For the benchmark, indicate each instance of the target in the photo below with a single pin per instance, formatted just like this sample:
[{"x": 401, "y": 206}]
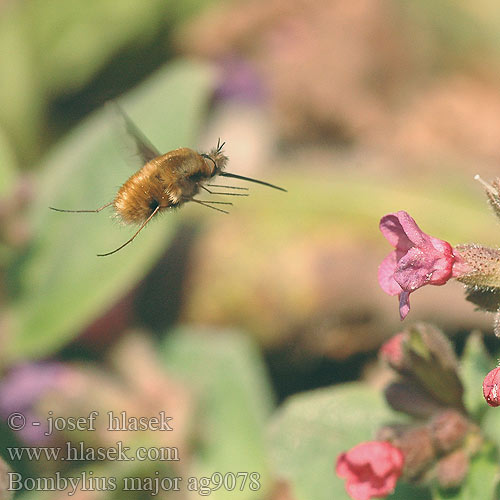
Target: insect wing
[{"x": 144, "y": 148}]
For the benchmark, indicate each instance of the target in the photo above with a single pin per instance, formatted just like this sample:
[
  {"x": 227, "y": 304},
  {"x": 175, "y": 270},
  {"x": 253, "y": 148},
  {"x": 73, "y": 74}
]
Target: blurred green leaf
[
  {"x": 234, "y": 400},
  {"x": 406, "y": 491},
  {"x": 8, "y": 166},
  {"x": 21, "y": 101},
  {"x": 61, "y": 284},
  {"x": 474, "y": 365},
  {"x": 76, "y": 39},
  {"x": 312, "y": 429},
  {"x": 481, "y": 479}
]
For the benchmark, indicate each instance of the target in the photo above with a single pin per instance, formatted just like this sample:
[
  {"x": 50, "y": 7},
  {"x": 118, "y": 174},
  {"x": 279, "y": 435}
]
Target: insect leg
[
  {"x": 207, "y": 204},
  {"x": 82, "y": 211},
  {"x": 227, "y": 194},
  {"x": 229, "y": 187},
  {"x": 136, "y": 233}
]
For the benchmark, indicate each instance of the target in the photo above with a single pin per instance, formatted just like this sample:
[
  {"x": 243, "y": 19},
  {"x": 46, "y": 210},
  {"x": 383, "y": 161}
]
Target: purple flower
[
  {"x": 21, "y": 390},
  {"x": 239, "y": 82},
  {"x": 418, "y": 259}
]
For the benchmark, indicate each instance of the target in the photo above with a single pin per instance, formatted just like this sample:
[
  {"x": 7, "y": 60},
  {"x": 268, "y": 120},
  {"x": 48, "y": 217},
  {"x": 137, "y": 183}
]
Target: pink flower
[
  {"x": 418, "y": 259},
  {"x": 371, "y": 469},
  {"x": 491, "y": 386}
]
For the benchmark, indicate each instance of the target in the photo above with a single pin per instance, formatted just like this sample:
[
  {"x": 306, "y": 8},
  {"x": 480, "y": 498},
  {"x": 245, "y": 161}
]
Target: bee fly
[{"x": 168, "y": 181}]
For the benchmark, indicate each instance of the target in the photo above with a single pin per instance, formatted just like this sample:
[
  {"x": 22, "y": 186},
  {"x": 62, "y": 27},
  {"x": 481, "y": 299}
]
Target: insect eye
[{"x": 208, "y": 157}]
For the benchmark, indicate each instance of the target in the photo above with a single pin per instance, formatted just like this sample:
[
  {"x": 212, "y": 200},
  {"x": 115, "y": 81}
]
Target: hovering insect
[{"x": 168, "y": 181}]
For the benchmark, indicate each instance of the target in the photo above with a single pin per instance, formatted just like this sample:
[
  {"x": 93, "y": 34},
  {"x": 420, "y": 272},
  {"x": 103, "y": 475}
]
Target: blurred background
[{"x": 357, "y": 108}]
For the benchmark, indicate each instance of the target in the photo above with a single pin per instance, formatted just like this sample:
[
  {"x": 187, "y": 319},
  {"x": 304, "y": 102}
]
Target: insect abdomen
[{"x": 141, "y": 194}]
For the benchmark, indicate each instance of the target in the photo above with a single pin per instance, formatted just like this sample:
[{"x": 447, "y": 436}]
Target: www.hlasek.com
[
  {"x": 75, "y": 452},
  {"x": 86, "y": 481}
]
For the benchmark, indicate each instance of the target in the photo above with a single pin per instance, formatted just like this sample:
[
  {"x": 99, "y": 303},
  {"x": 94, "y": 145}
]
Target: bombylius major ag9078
[{"x": 168, "y": 181}]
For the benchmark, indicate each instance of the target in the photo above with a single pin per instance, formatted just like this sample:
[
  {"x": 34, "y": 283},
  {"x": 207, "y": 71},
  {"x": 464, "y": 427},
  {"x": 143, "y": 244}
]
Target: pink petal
[
  {"x": 385, "y": 458},
  {"x": 392, "y": 350},
  {"x": 377, "y": 454},
  {"x": 441, "y": 246},
  {"x": 386, "y": 275},
  {"x": 401, "y": 231},
  {"x": 417, "y": 237},
  {"x": 414, "y": 269},
  {"x": 342, "y": 468},
  {"x": 404, "y": 304},
  {"x": 359, "y": 491},
  {"x": 421, "y": 267}
]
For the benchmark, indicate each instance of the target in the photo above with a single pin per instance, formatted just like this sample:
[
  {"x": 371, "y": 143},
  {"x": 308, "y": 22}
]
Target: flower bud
[
  {"x": 452, "y": 469},
  {"x": 448, "y": 430},
  {"x": 491, "y": 387},
  {"x": 434, "y": 365},
  {"x": 392, "y": 352},
  {"x": 418, "y": 450},
  {"x": 391, "y": 432},
  {"x": 408, "y": 397}
]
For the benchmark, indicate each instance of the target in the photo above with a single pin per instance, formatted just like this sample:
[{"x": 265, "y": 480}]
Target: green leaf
[
  {"x": 61, "y": 284},
  {"x": 481, "y": 480},
  {"x": 73, "y": 46},
  {"x": 74, "y": 40},
  {"x": 475, "y": 364},
  {"x": 406, "y": 491},
  {"x": 312, "y": 429},
  {"x": 234, "y": 403},
  {"x": 8, "y": 165},
  {"x": 21, "y": 95}
]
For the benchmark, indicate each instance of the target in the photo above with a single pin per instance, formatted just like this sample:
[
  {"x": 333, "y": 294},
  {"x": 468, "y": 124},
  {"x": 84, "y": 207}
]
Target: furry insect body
[{"x": 167, "y": 181}]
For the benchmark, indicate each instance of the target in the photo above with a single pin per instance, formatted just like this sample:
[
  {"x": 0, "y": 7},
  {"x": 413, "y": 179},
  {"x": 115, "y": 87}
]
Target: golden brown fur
[{"x": 166, "y": 181}]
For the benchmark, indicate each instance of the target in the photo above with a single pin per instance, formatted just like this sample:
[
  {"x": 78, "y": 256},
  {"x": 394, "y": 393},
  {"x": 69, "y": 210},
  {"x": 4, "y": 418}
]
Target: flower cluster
[
  {"x": 438, "y": 444},
  {"x": 419, "y": 259}
]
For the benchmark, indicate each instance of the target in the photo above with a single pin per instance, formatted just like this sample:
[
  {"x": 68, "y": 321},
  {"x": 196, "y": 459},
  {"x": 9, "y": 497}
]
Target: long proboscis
[{"x": 243, "y": 178}]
